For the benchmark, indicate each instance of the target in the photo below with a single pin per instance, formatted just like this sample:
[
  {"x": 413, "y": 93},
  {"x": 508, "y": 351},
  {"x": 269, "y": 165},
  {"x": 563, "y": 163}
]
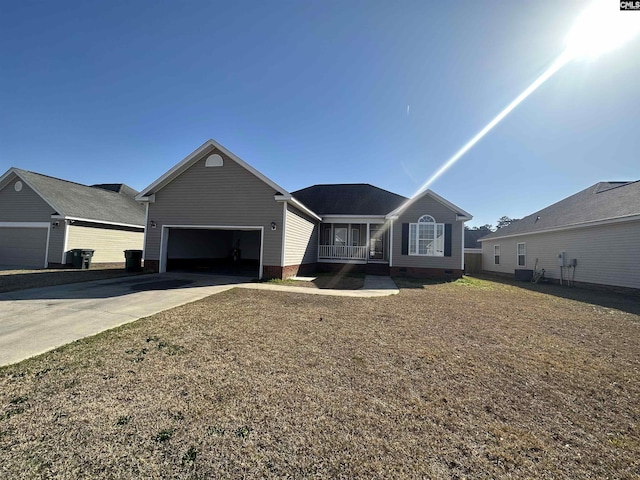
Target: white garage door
[{"x": 23, "y": 247}]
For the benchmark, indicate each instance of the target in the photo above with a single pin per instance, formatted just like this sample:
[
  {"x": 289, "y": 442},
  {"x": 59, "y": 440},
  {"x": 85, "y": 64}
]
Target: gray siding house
[
  {"x": 42, "y": 218},
  {"x": 592, "y": 237},
  {"x": 213, "y": 210}
]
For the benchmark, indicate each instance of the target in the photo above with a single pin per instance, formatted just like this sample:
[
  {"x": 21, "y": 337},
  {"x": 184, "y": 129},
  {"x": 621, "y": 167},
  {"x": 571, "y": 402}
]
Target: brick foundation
[
  {"x": 381, "y": 269},
  {"x": 152, "y": 265},
  {"x": 272, "y": 271},
  {"x": 342, "y": 267},
  {"x": 426, "y": 272}
]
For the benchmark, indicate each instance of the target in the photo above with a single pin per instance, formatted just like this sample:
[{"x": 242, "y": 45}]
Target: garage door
[
  {"x": 24, "y": 247},
  {"x": 226, "y": 251}
]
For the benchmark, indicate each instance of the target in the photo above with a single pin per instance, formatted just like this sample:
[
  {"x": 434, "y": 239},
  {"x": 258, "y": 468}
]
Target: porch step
[{"x": 377, "y": 269}]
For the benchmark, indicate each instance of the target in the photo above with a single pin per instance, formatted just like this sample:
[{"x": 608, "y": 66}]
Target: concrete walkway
[
  {"x": 374, "y": 286},
  {"x": 39, "y": 319}
]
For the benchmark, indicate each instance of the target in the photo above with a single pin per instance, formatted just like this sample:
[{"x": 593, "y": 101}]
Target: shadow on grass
[
  {"x": 626, "y": 302},
  {"x": 334, "y": 281}
]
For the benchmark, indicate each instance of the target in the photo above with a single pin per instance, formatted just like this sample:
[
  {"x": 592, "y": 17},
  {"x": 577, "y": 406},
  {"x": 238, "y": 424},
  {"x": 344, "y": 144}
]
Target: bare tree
[{"x": 505, "y": 221}]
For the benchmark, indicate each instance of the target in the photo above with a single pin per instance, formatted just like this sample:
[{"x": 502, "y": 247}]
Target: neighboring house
[
  {"x": 42, "y": 218},
  {"x": 471, "y": 243},
  {"x": 214, "y": 210},
  {"x": 598, "y": 229}
]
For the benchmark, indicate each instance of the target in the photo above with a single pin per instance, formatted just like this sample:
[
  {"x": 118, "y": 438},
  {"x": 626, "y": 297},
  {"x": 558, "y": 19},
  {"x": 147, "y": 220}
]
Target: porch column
[
  {"x": 367, "y": 251},
  {"x": 391, "y": 244}
]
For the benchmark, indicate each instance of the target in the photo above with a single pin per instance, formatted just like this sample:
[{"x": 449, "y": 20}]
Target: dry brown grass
[
  {"x": 11, "y": 280},
  {"x": 471, "y": 379}
]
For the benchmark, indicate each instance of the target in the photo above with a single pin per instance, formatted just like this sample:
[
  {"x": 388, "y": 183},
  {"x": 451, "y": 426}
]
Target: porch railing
[{"x": 342, "y": 252}]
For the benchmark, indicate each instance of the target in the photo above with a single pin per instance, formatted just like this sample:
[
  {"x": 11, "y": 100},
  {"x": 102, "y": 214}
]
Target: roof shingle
[
  {"x": 82, "y": 201},
  {"x": 602, "y": 201},
  {"x": 349, "y": 199}
]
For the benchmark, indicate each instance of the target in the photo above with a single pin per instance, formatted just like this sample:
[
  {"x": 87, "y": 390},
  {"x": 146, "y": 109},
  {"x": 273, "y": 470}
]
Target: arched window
[
  {"x": 426, "y": 237},
  {"x": 426, "y": 219}
]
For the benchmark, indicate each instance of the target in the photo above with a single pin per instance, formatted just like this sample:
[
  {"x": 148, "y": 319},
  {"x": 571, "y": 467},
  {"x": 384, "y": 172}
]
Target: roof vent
[{"x": 214, "y": 160}]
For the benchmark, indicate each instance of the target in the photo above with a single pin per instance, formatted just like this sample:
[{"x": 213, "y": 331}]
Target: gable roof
[
  {"x": 207, "y": 147},
  {"x": 74, "y": 200},
  {"x": 462, "y": 214},
  {"x": 604, "y": 201},
  {"x": 349, "y": 199}
]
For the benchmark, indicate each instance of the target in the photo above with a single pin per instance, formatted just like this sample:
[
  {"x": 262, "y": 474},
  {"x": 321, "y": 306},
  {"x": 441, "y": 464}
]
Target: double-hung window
[
  {"x": 522, "y": 254},
  {"x": 496, "y": 254},
  {"x": 426, "y": 237}
]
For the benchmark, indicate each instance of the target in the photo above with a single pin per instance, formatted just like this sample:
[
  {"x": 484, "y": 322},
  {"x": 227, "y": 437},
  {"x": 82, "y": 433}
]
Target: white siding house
[{"x": 597, "y": 229}]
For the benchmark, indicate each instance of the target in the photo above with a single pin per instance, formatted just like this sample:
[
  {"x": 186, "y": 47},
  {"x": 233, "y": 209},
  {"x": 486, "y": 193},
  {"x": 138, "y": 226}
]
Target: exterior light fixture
[{"x": 273, "y": 226}]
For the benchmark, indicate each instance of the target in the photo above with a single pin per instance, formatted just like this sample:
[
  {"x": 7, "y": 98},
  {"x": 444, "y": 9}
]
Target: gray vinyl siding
[
  {"x": 23, "y": 206},
  {"x": 28, "y": 206},
  {"x": 217, "y": 196},
  {"x": 23, "y": 246},
  {"x": 606, "y": 254},
  {"x": 442, "y": 214},
  {"x": 301, "y": 244},
  {"x": 56, "y": 243},
  {"x": 109, "y": 245}
]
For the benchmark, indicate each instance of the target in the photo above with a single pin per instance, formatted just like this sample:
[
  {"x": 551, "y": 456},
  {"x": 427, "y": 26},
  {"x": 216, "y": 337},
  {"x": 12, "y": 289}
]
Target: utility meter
[{"x": 562, "y": 259}]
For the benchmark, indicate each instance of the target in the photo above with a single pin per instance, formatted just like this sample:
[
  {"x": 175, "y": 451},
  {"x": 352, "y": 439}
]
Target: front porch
[{"x": 354, "y": 243}]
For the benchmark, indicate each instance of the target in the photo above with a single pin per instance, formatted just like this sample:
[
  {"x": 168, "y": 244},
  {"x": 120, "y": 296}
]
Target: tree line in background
[{"x": 503, "y": 221}]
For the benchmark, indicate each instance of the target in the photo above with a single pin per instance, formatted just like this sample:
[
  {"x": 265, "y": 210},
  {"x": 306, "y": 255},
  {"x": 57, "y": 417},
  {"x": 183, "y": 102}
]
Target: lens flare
[
  {"x": 598, "y": 29},
  {"x": 555, "y": 66}
]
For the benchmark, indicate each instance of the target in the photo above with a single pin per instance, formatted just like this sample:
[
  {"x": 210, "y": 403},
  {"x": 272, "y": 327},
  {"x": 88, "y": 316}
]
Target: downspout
[
  {"x": 391, "y": 245},
  {"x": 284, "y": 235},
  {"x": 462, "y": 267}
]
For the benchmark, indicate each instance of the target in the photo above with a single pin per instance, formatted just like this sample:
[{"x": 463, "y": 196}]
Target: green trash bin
[
  {"x": 133, "y": 260},
  {"x": 81, "y": 258}
]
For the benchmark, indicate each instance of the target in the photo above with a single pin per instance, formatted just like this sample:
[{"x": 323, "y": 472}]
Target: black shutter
[
  {"x": 405, "y": 239},
  {"x": 447, "y": 239}
]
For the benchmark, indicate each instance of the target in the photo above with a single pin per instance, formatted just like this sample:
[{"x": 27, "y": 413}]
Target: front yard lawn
[{"x": 469, "y": 379}]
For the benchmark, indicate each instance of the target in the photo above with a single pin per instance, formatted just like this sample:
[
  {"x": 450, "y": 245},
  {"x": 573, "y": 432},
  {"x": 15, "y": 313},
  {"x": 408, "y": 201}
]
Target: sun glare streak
[
  {"x": 598, "y": 29},
  {"x": 555, "y": 66}
]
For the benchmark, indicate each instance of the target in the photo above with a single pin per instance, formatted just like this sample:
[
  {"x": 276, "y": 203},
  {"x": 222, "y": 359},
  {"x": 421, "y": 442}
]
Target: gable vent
[{"x": 214, "y": 160}]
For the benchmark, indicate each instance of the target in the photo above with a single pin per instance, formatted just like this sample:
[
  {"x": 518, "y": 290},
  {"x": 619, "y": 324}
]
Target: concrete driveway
[{"x": 37, "y": 320}]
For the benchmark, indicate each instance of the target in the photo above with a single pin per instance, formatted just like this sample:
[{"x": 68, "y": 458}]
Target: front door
[{"x": 376, "y": 242}]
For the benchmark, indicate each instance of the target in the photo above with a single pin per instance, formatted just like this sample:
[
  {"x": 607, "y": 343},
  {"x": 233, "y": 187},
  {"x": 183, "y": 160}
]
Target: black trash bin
[
  {"x": 133, "y": 260},
  {"x": 81, "y": 258}
]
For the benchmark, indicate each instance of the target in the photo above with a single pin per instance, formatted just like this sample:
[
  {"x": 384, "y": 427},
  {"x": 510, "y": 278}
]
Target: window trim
[
  {"x": 345, "y": 242},
  {"x": 496, "y": 254},
  {"x": 524, "y": 254},
  {"x": 436, "y": 241}
]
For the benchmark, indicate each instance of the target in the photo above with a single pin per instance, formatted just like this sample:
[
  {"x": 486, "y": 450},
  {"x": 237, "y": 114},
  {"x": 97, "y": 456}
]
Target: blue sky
[{"x": 317, "y": 92}]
